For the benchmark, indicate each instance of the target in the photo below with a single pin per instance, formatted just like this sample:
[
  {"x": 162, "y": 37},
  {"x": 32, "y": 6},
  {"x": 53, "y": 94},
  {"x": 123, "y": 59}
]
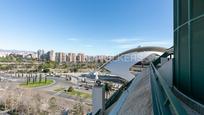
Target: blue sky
[{"x": 90, "y": 26}]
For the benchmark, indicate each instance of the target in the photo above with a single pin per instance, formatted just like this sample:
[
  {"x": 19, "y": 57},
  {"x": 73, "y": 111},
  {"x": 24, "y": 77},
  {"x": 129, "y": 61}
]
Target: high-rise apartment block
[
  {"x": 71, "y": 57},
  {"x": 40, "y": 54},
  {"x": 51, "y": 55},
  {"x": 62, "y": 57},
  {"x": 80, "y": 58}
]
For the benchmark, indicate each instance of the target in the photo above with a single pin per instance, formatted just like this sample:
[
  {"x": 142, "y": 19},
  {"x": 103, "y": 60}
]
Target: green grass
[
  {"x": 80, "y": 94},
  {"x": 75, "y": 93},
  {"x": 36, "y": 84},
  {"x": 59, "y": 89}
]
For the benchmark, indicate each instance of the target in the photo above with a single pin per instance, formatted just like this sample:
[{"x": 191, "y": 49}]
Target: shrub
[{"x": 70, "y": 89}]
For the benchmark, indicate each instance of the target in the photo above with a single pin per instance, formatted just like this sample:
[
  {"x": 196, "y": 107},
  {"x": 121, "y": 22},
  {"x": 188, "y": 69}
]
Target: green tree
[
  {"x": 33, "y": 79},
  {"x": 70, "y": 89},
  {"x": 45, "y": 79},
  {"x": 27, "y": 77},
  {"x": 46, "y": 70},
  {"x": 40, "y": 78}
]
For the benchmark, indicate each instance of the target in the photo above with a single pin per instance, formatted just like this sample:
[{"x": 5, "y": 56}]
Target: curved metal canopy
[{"x": 121, "y": 63}]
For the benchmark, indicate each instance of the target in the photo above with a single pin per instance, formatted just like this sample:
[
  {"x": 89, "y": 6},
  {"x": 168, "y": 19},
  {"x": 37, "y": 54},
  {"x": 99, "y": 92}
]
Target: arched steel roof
[
  {"x": 138, "y": 49},
  {"x": 142, "y": 49}
]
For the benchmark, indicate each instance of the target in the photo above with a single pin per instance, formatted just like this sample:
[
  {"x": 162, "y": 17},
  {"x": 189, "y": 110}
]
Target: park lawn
[
  {"x": 37, "y": 84},
  {"x": 59, "y": 89},
  {"x": 80, "y": 94}
]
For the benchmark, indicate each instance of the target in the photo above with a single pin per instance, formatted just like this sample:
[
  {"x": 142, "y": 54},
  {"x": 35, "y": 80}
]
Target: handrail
[
  {"x": 117, "y": 95},
  {"x": 163, "y": 97},
  {"x": 165, "y": 54},
  {"x": 98, "y": 112},
  {"x": 114, "y": 97}
]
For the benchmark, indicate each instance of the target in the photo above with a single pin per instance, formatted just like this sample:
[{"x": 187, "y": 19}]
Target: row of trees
[
  {"x": 31, "y": 78},
  {"x": 34, "y": 66},
  {"x": 71, "y": 67},
  {"x": 11, "y": 58},
  {"x": 6, "y": 67},
  {"x": 35, "y": 78}
]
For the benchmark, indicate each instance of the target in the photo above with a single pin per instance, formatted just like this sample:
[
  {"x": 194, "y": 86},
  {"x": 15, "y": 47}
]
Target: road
[
  {"x": 62, "y": 83},
  {"x": 59, "y": 82}
]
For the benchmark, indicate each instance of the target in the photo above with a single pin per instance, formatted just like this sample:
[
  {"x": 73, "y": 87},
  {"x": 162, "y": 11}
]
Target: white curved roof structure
[{"x": 121, "y": 63}]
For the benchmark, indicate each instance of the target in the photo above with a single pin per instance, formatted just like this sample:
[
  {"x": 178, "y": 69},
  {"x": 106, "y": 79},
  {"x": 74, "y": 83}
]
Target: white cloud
[
  {"x": 125, "y": 43},
  {"x": 72, "y": 39}
]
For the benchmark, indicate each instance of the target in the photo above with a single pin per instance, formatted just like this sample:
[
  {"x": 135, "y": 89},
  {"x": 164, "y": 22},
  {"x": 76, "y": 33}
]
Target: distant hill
[{"x": 16, "y": 51}]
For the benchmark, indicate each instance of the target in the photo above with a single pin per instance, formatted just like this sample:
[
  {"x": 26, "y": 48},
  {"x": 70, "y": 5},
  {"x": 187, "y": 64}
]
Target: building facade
[
  {"x": 71, "y": 57},
  {"x": 63, "y": 57},
  {"x": 51, "y": 55},
  {"x": 80, "y": 58},
  {"x": 40, "y": 54},
  {"x": 188, "y": 45},
  {"x": 58, "y": 57}
]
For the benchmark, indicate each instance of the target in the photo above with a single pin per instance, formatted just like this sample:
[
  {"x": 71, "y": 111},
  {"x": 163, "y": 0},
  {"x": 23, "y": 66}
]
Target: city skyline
[
  {"x": 93, "y": 27},
  {"x": 59, "y": 57},
  {"x": 46, "y": 51}
]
